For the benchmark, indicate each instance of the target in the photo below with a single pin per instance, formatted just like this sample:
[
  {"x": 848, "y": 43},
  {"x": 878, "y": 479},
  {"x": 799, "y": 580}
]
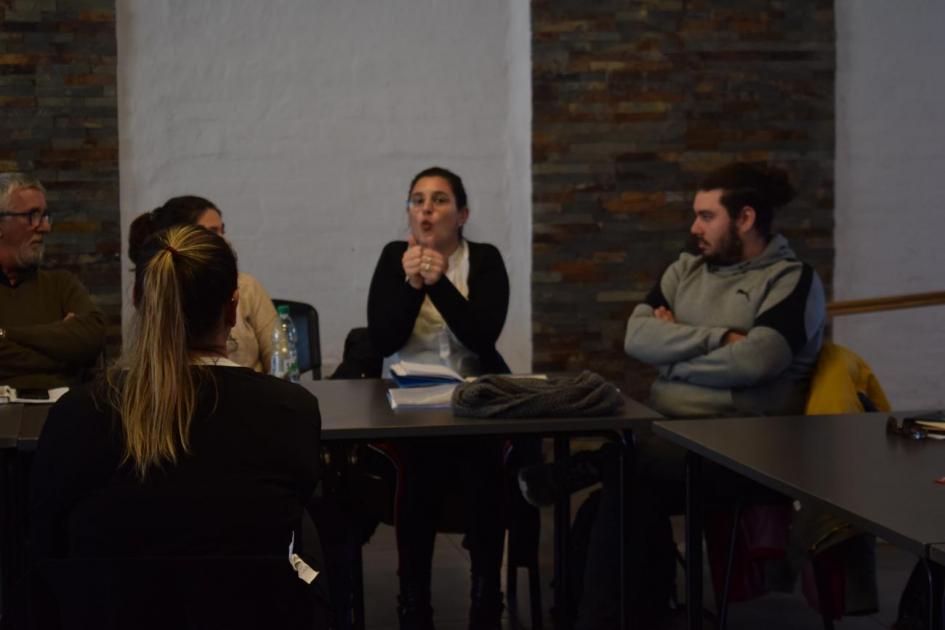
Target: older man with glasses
[{"x": 49, "y": 328}]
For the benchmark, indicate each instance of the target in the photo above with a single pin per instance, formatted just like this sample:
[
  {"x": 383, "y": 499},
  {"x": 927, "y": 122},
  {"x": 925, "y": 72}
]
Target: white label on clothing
[{"x": 306, "y": 573}]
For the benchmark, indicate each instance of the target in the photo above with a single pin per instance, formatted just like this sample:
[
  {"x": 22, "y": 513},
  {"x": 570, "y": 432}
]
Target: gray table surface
[
  {"x": 358, "y": 410},
  {"x": 847, "y": 465}
]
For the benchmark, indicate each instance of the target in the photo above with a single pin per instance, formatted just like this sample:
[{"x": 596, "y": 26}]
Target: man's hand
[
  {"x": 731, "y": 337},
  {"x": 664, "y": 314},
  {"x": 68, "y": 317},
  {"x": 411, "y": 262}
]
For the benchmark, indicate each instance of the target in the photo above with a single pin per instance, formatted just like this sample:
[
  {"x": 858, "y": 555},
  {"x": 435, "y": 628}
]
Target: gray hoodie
[{"x": 774, "y": 298}]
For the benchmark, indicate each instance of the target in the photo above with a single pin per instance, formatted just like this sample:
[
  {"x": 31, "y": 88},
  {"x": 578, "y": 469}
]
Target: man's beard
[
  {"x": 729, "y": 251},
  {"x": 30, "y": 255}
]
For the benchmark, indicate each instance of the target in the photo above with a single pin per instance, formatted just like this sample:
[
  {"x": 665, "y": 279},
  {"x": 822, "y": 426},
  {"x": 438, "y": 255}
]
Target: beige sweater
[{"x": 250, "y": 342}]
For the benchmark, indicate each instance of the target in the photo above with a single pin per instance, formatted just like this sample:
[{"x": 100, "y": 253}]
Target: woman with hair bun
[
  {"x": 178, "y": 450},
  {"x": 439, "y": 298},
  {"x": 250, "y": 341}
]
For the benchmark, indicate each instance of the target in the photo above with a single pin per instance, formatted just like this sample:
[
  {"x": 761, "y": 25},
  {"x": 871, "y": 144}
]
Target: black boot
[
  {"x": 413, "y": 605},
  {"x": 541, "y": 484},
  {"x": 485, "y": 609}
]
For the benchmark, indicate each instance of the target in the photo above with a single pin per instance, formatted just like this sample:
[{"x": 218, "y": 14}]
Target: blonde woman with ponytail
[{"x": 179, "y": 451}]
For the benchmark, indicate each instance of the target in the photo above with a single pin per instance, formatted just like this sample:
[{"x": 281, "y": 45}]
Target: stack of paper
[
  {"x": 431, "y": 397},
  {"x": 407, "y": 374},
  {"x": 933, "y": 422}
]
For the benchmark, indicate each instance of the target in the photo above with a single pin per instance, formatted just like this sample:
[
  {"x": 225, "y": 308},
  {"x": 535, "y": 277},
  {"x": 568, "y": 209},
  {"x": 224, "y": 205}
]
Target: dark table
[
  {"x": 847, "y": 465},
  {"x": 358, "y": 411}
]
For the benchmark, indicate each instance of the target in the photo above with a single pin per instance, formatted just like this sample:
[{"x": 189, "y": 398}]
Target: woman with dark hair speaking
[
  {"x": 438, "y": 298},
  {"x": 178, "y": 451}
]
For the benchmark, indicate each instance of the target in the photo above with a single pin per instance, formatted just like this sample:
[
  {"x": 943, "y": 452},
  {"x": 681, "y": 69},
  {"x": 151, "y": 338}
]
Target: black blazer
[{"x": 393, "y": 304}]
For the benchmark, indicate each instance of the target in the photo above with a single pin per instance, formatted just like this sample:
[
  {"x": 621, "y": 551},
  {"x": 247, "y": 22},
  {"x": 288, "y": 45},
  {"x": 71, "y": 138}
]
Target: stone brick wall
[
  {"x": 633, "y": 103},
  {"x": 59, "y": 121}
]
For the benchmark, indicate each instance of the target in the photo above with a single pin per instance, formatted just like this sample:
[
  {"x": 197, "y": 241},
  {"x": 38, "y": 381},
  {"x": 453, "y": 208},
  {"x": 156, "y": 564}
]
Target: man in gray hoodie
[{"x": 735, "y": 330}]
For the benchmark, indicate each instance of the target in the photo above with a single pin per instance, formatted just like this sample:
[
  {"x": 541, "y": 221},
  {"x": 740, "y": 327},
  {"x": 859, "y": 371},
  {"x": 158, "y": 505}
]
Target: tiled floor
[{"x": 451, "y": 585}]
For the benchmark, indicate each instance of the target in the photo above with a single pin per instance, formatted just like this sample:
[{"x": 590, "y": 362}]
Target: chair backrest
[
  {"x": 360, "y": 359},
  {"x": 172, "y": 592},
  {"x": 305, "y": 318}
]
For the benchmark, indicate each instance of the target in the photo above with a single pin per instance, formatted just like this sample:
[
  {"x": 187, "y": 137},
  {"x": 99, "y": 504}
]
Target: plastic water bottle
[{"x": 285, "y": 354}]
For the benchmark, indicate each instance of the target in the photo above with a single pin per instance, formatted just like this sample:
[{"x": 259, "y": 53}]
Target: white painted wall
[
  {"x": 890, "y": 188},
  {"x": 305, "y": 120}
]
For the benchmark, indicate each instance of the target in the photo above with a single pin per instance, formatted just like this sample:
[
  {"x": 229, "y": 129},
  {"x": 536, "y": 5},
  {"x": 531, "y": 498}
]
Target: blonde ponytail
[{"x": 154, "y": 388}]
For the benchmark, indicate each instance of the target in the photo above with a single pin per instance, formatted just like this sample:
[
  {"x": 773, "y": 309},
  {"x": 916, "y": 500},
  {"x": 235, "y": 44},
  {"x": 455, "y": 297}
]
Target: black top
[
  {"x": 393, "y": 304},
  {"x": 240, "y": 491}
]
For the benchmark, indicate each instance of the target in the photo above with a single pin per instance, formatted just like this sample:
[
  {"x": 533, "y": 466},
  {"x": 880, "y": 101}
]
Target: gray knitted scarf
[{"x": 491, "y": 396}]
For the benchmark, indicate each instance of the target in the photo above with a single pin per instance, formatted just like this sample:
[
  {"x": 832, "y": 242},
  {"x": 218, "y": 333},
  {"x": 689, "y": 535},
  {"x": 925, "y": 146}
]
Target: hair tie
[{"x": 173, "y": 251}]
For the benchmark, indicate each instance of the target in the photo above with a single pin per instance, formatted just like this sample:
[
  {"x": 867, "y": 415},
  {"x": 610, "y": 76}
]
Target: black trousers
[{"x": 430, "y": 473}]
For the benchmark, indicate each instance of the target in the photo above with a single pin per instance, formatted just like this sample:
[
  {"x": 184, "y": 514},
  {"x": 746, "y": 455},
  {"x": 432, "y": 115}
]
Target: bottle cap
[{"x": 283, "y": 309}]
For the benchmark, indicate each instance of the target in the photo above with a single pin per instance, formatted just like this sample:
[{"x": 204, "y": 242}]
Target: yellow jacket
[{"x": 841, "y": 374}]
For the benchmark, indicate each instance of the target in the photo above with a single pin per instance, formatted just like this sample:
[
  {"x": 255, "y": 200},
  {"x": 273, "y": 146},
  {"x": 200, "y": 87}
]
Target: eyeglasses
[
  {"x": 439, "y": 200},
  {"x": 34, "y": 216}
]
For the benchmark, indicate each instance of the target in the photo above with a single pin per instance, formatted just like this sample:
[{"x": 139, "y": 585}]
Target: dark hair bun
[
  {"x": 184, "y": 210},
  {"x": 764, "y": 184},
  {"x": 140, "y": 231},
  {"x": 778, "y": 188}
]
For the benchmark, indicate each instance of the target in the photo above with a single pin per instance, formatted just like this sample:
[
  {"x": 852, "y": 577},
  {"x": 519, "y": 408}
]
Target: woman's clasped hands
[{"x": 423, "y": 265}]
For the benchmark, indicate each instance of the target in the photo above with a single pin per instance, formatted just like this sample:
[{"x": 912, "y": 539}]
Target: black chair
[
  {"x": 305, "y": 318},
  {"x": 183, "y": 592}
]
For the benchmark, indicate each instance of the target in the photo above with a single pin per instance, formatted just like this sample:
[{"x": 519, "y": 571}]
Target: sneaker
[{"x": 541, "y": 484}]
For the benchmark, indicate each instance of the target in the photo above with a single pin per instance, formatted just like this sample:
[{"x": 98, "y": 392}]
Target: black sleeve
[
  {"x": 476, "y": 322},
  {"x": 293, "y": 442},
  {"x": 306, "y": 447},
  {"x": 393, "y": 304},
  {"x": 655, "y": 297},
  {"x": 76, "y": 453},
  {"x": 787, "y": 317}
]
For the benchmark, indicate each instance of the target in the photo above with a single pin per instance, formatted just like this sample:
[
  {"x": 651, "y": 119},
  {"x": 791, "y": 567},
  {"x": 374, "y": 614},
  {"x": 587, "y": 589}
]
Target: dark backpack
[{"x": 914, "y": 604}]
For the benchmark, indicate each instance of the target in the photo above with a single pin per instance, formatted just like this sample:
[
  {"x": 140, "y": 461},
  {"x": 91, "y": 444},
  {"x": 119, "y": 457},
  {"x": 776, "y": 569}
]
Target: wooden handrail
[{"x": 893, "y": 302}]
